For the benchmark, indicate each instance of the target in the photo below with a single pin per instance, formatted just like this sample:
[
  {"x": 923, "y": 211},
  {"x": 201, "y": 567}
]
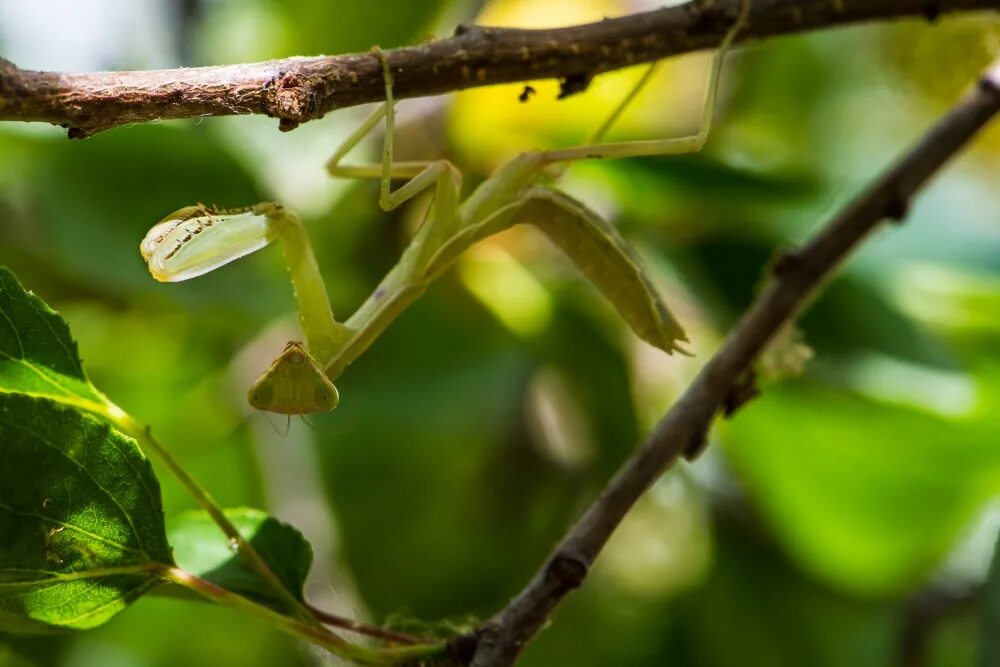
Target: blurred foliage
[{"x": 486, "y": 418}]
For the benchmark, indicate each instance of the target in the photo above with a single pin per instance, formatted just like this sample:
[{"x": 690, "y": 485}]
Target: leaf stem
[
  {"x": 244, "y": 549},
  {"x": 305, "y": 623},
  {"x": 364, "y": 629},
  {"x": 316, "y": 635}
]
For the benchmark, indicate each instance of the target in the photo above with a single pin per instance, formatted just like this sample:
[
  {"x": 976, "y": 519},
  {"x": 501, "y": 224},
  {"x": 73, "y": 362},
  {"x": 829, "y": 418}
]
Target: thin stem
[
  {"x": 247, "y": 553},
  {"x": 364, "y": 629},
  {"x": 315, "y": 634},
  {"x": 307, "y": 624}
]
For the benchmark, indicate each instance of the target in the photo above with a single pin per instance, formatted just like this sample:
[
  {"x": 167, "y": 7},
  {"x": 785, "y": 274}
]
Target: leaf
[
  {"x": 868, "y": 496},
  {"x": 37, "y": 354},
  {"x": 201, "y": 549},
  {"x": 81, "y": 521}
]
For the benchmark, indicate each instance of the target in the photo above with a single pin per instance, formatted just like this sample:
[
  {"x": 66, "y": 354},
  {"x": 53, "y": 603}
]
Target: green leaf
[
  {"x": 81, "y": 522},
  {"x": 868, "y": 496},
  {"x": 201, "y": 549},
  {"x": 37, "y": 354}
]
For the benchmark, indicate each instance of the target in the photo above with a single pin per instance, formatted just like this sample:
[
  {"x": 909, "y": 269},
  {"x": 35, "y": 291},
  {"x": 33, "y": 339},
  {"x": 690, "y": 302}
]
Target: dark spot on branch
[
  {"x": 291, "y": 98},
  {"x": 744, "y": 390},
  {"x": 897, "y": 207},
  {"x": 708, "y": 17},
  {"x": 696, "y": 445},
  {"x": 568, "y": 571},
  {"x": 990, "y": 84},
  {"x": 932, "y": 9},
  {"x": 76, "y": 133},
  {"x": 462, "y": 649},
  {"x": 789, "y": 263},
  {"x": 573, "y": 84}
]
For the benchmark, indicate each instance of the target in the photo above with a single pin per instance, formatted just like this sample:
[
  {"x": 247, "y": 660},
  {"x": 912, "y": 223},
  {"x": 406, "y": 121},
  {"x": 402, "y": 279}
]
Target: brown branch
[
  {"x": 296, "y": 90},
  {"x": 682, "y": 431}
]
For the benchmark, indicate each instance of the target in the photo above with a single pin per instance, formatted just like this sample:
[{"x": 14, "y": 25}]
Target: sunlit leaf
[
  {"x": 37, "y": 354},
  {"x": 81, "y": 523}
]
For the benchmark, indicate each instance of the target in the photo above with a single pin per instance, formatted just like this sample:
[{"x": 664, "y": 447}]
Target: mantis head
[{"x": 293, "y": 385}]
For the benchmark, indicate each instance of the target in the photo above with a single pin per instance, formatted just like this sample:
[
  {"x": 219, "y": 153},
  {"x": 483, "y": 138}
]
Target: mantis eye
[
  {"x": 326, "y": 396},
  {"x": 195, "y": 240}
]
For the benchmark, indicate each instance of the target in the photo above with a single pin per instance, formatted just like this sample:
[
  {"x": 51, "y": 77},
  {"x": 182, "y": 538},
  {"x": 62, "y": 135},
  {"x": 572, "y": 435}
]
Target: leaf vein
[
  {"x": 94, "y": 536},
  {"x": 89, "y": 474}
]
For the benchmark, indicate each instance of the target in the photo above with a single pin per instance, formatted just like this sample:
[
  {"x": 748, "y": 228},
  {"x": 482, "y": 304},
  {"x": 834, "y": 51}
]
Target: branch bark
[
  {"x": 296, "y": 90},
  {"x": 796, "y": 275}
]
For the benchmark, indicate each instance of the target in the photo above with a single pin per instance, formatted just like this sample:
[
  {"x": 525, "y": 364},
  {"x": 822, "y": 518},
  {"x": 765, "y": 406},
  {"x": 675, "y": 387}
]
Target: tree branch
[
  {"x": 796, "y": 275},
  {"x": 296, "y": 90}
]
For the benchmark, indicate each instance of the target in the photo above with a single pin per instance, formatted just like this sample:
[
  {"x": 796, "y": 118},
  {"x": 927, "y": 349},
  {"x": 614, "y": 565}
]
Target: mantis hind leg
[
  {"x": 409, "y": 278},
  {"x": 672, "y": 146},
  {"x": 441, "y": 174}
]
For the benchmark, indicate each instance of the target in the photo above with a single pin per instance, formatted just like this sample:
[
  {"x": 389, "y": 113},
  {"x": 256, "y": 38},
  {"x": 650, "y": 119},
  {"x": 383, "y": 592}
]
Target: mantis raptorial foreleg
[
  {"x": 197, "y": 239},
  {"x": 510, "y": 196}
]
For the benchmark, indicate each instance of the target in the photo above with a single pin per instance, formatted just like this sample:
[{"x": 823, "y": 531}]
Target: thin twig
[
  {"x": 296, "y": 90},
  {"x": 363, "y": 629},
  {"x": 682, "y": 431}
]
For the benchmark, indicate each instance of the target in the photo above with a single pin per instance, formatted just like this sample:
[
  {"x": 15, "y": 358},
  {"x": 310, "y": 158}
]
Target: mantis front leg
[
  {"x": 409, "y": 278},
  {"x": 197, "y": 239}
]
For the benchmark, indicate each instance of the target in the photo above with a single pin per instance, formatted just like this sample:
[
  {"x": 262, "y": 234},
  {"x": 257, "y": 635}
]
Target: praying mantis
[{"x": 198, "y": 239}]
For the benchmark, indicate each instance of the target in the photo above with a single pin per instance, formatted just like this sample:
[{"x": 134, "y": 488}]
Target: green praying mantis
[{"x": 196, "y": 239}]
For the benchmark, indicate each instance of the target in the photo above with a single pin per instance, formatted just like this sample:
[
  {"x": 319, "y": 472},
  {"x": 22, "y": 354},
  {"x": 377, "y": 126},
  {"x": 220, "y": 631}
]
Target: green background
[{"x": 824, "y": 521}]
